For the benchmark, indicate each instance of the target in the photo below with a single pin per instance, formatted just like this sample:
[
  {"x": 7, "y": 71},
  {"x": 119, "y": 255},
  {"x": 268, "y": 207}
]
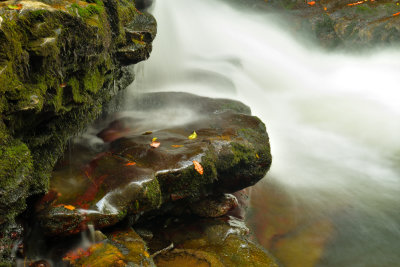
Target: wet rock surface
[
  {"x": 205, "y": 147},
  {"x": 206, "y": 242},
  {"x": 60, "y": 61},
  {"x": 165, "y": 241},
  {"x": 346, "y": 24}
]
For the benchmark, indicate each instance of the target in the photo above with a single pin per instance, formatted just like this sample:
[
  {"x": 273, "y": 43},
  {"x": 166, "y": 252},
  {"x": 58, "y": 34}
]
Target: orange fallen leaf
[
  {"x": 69, "y": 207},
  {"x": 146, "y": 254},
  {"x": 198, "y": 167},
  {"x": 155, "y": 144},
  {"x": 63, "y": 85},
  {"x": 396, "y": 14},
  {"x": 325, "y": 8},
  {"x": 311, "y": 3},
  {"x": 177, "y": 145},
  {"x": 131, "y": 163},
  {"x": 356, "y": 3}
]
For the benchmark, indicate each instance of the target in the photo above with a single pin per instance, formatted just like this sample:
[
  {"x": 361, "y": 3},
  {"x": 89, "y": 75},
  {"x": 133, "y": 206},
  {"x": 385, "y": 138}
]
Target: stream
[{"x": 332, "y": 196}]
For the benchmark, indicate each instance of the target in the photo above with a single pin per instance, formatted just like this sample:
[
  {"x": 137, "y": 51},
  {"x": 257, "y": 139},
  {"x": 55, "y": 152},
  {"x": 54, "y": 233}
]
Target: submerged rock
[
  {"x": 207, "y": 242},
  {"x": 132, "y": 176},
  {"x": 296, "y": 236}
]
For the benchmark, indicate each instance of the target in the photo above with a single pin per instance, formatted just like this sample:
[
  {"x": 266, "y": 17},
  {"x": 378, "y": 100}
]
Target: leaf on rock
[
  {"x": 69, "y": 207},
  {"x": 155, "y": 144},
  {"x": 177, "y": 145},
  {"x": 154, "y": 139},
  {"x": 193, "y": 136},
  {"x": 198, "y": 167},
  {"x": 147, "y": 133},
  {"x": 15, "y": 7},
  {"x": 130, "y": 163},
  {"x": 311, "y": 3}
]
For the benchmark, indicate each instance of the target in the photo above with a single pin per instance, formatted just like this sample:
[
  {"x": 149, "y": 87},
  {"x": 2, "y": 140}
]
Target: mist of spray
[{"x": 333, "y": 119}]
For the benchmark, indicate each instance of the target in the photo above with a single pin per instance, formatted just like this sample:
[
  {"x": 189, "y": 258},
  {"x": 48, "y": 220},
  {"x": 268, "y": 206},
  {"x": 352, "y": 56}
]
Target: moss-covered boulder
[
  {"x": 168, "y": 149},
  {"x": 60, "y": 61},
  {"x": 119, "y": 248}
]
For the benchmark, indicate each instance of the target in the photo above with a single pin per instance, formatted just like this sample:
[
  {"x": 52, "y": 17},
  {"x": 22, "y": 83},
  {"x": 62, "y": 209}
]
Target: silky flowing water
[{"x": 332, "y": 196}]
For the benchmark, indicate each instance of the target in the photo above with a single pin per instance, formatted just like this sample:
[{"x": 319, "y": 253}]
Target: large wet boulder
[
  {"x": 168, "y": 151},
  {"x": 60, "y": 61}
]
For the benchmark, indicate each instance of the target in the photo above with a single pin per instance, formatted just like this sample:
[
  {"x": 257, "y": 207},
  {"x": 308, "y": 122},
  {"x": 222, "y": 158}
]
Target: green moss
[
  {"x": 16, "y": 168},
  {"x": 76, "y": 92},
  {"x": 89, "y": 10},
  {"x": 188, "y": 182},
  {"x": 93, "y": 81},
  {"x": 152, "y": 194}
]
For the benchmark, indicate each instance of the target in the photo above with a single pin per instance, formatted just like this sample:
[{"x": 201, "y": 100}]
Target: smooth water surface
[{"x": 332, "y": 197}]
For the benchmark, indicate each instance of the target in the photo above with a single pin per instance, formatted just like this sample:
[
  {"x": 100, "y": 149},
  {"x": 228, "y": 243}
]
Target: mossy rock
[
  {"x": 58, "y": 67},
  {"x": 141, "y": 163}
]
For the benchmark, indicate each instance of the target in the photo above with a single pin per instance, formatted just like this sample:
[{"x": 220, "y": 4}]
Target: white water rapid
[{"x": 333, "y": 119}]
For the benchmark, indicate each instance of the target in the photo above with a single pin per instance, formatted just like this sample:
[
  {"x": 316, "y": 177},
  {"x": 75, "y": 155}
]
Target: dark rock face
[
  {"x": 144, "y": 4},
  {"x": 149, "y": 159},
  {"x": 60, "y": 61},
  {"x": 343, "y": 24}
]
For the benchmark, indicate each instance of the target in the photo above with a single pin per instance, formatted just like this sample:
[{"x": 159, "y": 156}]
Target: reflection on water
[{"x": 332, "y": 195}]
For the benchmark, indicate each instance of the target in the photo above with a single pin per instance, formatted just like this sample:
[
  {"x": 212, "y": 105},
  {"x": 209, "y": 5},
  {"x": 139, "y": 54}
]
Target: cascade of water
[{"x": 333, "y": 119}]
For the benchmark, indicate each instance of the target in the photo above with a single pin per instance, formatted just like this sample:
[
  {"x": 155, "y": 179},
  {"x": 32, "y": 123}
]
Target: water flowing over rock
[
  {"x": 60, "y": 61},
  {"x": 204, "y": 147}
]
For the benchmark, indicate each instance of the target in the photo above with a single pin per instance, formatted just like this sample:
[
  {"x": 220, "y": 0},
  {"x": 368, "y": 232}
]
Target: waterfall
[{"x": 333, "y": 118}]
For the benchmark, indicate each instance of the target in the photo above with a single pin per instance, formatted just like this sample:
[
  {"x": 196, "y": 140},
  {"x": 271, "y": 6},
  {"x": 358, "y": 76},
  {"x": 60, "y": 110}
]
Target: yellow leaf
[
  {"x": 154, "y": 139},
  {"x": 193, "y": 136},
  {"x": 146, "y": 254}
]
